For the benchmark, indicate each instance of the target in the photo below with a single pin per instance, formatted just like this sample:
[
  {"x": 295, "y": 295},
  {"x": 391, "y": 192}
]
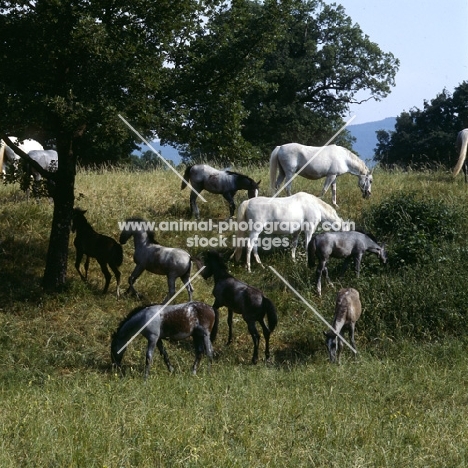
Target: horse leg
[
  {"x": 255, "y": 338},
  {"x": 229, "y": 322},
  {"x": 86, "y": 266},
  {"x": 229, "y": 197},
  {"x": 279, "y": 180},
  {"x": 357, "y": 264},
  {"x": 252, "y": 245},
  {"x": 330, "y": 180},
  {"x": 163, "y": 353},
  {"x": 79, "y": 256},
  {"x": 288, "y": 185},
  {"x": 351, "y": 336},
  {"x": 107, "y": 275},
  {"x": 320, "y": 269},
  {"x": 171, "y": 279},
  {"x": 345, "y": 266},
  {"x": 188, "y": 285},
  {"x": 208, "y": 348},
  {"x": 152, "y": 342},
  {"x": 266, "y": 335},
  {"x": 138, "y": 270},
  {"x": 202, "y": 344},
  {"x": 193, "y": 204},
  {"x": 294, "y": 243},
  {"x": 117, "y": 278}
]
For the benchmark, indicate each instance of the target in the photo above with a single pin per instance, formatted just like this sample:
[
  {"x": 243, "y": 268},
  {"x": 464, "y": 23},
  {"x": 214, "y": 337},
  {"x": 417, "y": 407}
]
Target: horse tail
[
  {"x": 463, "y": 144},
  {"x": 274, "y": 167},
  {"x": 311, "y": 248},
  {"x": 270, "y": 310},
  {"x": 241, "y": 213},
  {"x": 117, "y": 254},
  {"x": 186, "y": 177}
]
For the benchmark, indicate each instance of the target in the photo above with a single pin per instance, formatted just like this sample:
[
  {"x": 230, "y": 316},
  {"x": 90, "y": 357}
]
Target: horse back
[
  {"x": 314, "y": 162},
  {"x": 181, "y": 321},
  {"x": 237, "y": 295},
  {"x": 347, "y": 308}
]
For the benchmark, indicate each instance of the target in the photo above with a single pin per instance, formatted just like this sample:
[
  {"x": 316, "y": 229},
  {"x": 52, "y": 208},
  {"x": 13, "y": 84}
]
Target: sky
[{"x": 430, "y": 38}]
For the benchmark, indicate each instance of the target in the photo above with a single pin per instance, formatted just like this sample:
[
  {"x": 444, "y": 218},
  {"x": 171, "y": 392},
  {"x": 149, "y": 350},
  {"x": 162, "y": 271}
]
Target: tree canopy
[
  {"x": 424, "y": 138},
  {"x": 226, "y": 80}
]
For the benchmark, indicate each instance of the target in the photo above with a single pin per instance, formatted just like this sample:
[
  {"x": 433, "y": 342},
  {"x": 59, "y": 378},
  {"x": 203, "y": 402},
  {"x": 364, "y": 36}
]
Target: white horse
[
  {"x": 24, "y": 145},
  {"x": 316, "y": 162},
  {"x": 286, "y": 215},
  {"x": 462, "y": 145}
]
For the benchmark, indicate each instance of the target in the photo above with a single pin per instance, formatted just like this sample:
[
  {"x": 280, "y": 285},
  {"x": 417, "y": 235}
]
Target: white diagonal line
[
  {"x": 314, "y": 156},
  {"x": 160, "y": 310},
  {"x": 135, "y": 131},
  {"x": 313, "y": 309}
]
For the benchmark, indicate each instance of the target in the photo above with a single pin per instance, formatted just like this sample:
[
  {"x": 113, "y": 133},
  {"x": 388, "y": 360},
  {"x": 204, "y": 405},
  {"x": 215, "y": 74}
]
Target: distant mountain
[
  {"x": 365, "y": 134},
  {"x": 366, "y": 138},
  {"x": 167, "y": 152}
]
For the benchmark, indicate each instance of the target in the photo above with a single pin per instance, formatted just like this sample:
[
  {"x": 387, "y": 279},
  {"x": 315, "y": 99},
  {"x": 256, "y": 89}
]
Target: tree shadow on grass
[
  {"x": 302, "y": 351},
  {"x": 21, "y": 267}
]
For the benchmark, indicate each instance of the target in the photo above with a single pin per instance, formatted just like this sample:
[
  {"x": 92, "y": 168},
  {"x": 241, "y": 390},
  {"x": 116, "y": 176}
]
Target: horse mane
[
  {"x": 362, "y": 165},
  {"x": 368, "y": 234},
  {"x": 150, "y": 233},
  {"x": 131, "y": 314},
  {"x": 237, "y": 174}
]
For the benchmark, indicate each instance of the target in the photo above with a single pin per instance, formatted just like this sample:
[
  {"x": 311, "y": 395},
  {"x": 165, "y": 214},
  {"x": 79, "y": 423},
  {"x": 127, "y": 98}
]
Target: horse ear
[{"x": 258, "y": 183}]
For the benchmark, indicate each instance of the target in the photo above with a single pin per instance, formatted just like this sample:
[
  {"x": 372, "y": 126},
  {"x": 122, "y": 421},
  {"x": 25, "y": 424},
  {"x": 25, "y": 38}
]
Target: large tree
[
  {"x": 322, "y": 63},
  {"x": 426, "y": 137},
  {"x": 71, "y": 66}
]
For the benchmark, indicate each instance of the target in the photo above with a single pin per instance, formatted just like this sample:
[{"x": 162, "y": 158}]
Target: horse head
[
  {"x": 212, "y": 261},
  {"x": 383, "y": 254},
  {"x": 365, "y": 184},
  {"x": 331, "y": 342},
  {"x": 252, "y": 192},
  {"x": 77, "y": 213}
]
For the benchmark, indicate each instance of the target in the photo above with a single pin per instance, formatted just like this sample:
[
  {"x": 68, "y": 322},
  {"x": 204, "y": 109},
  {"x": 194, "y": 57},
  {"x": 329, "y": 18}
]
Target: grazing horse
[
  {"x": 241, "y": 298},
  {"x": 25, "y": 145},
  {"x": 227, "y": 183},
  {"x": 151, "y": 256},
  {"x": 347, "y": 313},
  {"x": 177, "y": 322},
  {"x": 104, "y": 249},
  {"x": 348, "y": 245},
  {"x": 316, "y": 162},
  {"x": 462, "y": 145},
  {"x": 288, "y": 215}
]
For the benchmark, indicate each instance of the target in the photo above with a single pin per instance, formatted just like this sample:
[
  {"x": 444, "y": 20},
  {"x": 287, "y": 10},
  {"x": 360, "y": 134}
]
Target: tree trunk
[{"x": 55, "y": 273}]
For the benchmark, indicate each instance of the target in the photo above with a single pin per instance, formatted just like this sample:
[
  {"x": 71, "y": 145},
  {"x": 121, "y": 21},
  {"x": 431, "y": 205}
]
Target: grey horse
[
  {"x": 151, "y": 256},
  {"x": 341, "y": 244}
]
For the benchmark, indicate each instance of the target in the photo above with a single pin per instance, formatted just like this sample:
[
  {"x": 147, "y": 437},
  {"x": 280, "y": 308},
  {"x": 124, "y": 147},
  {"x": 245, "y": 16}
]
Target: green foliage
[
  {"x": 415, "y": 228},
  {"x": 312, "y": 76},
  {"x": 426, "y": 138}
]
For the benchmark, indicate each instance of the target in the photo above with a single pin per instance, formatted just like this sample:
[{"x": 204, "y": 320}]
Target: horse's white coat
[
  {"x": 25, "y": 145},
  {"x": 287, "y": 215},
  {"x": 316, "y": 162}
]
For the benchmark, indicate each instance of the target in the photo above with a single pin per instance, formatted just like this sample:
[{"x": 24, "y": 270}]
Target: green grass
[{"x": 402, "y": 402}]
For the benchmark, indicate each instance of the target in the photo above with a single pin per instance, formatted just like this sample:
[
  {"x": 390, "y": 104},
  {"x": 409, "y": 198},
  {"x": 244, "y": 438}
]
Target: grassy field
[{"x": 402, "y": 402}]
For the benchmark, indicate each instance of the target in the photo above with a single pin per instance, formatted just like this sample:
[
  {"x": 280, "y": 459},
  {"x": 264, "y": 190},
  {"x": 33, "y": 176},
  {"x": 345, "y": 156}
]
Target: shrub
[{"x": 414, "y": 228}]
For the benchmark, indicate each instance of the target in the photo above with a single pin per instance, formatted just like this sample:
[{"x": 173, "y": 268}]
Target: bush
[{"x": 415, "y": 229}]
